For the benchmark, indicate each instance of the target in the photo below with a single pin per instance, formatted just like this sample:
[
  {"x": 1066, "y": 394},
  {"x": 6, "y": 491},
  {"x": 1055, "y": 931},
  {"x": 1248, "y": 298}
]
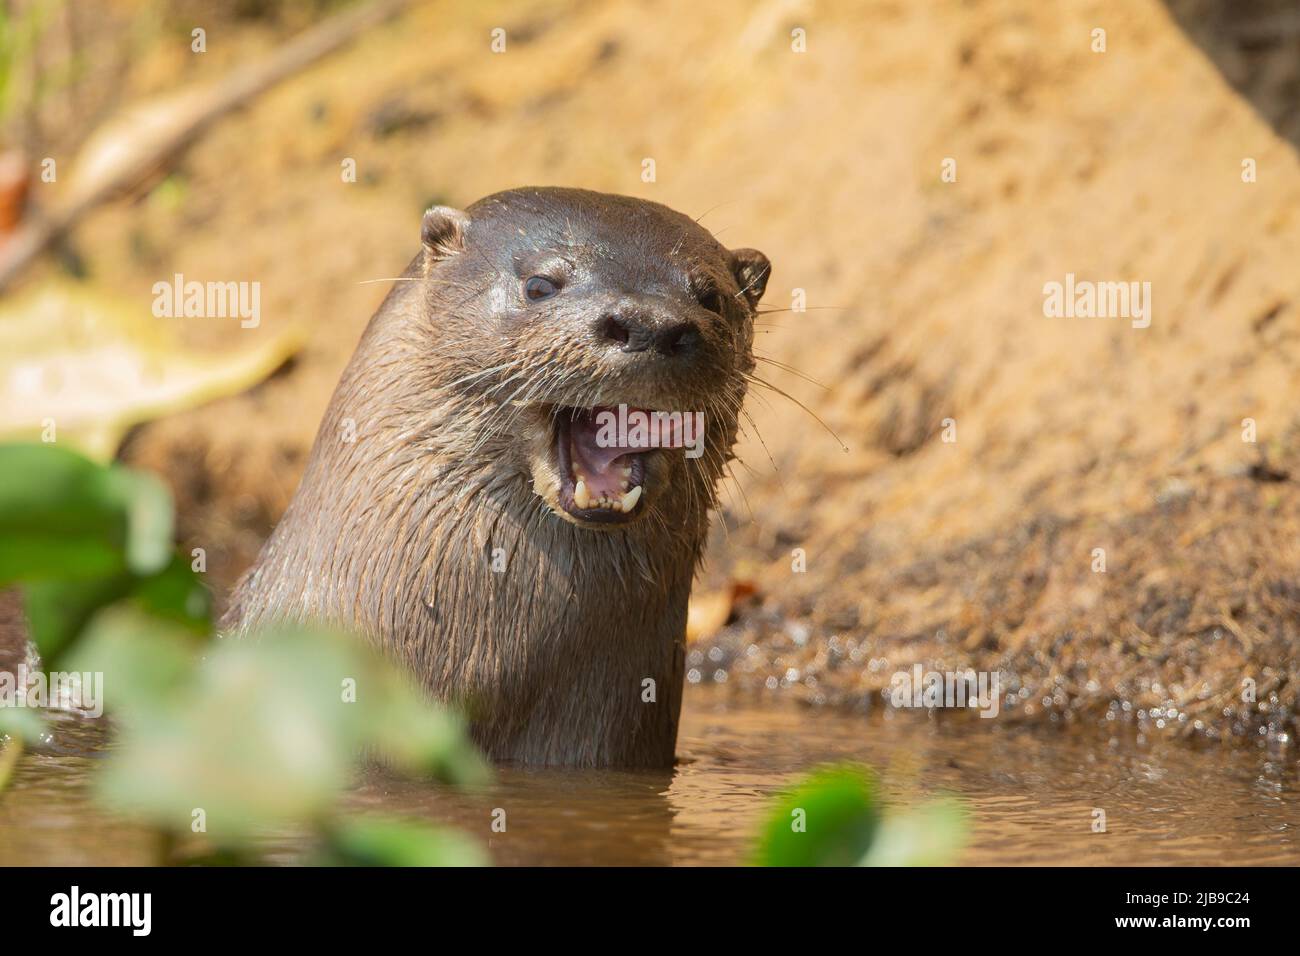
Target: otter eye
[
  {"x": 710, "y": 299},
  {"x": 539, "y": 287}
]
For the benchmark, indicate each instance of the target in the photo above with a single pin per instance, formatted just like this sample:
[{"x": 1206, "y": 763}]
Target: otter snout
[{"x": 636, "y": 330}]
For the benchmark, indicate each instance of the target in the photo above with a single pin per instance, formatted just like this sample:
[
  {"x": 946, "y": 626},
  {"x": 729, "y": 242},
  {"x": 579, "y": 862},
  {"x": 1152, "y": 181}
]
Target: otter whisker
[
  {"x": 743, "y": 497},
  {"x": 807, "y": 308},
  {"x": 405, "y": 279},
  {"x": 725, "y": 202},
  {"x": 791, "y": 369},
  {"x": 758, "y": 277},
  {"x": 757, "y": 434},
  {"x": 784, "y": 394},
  {"x": 478, "y": 375}
]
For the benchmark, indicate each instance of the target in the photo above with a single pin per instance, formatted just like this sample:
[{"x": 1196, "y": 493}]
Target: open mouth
[{"x": 599, "y": 482}]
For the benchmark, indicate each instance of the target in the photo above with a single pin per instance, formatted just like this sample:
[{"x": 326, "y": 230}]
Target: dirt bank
[{"x": 925, "y": 303}]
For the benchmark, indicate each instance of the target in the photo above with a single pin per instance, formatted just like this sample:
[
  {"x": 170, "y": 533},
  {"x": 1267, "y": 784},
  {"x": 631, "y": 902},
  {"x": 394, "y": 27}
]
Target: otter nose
[{"x": 635, "y": 333}]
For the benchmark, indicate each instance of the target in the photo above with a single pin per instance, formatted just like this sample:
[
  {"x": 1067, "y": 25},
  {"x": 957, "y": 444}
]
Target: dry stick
[{"x": 195, "y": 113}]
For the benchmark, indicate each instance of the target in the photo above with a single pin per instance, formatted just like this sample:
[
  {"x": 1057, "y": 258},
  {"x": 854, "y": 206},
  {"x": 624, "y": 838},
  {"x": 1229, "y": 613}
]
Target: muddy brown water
[{"x": 1031, "y": 794}]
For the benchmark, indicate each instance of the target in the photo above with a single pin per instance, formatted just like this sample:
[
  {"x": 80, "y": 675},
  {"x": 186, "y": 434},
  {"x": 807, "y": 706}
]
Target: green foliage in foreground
[
  {"x": 225, "y": 738},
  {"x": 77, "y": 536},
  {"x": 230, "y": 738},
  {"x": 834, "y": 818},
  {"x": 377, "y": 841},
  {"x": 260, "y": 731}
]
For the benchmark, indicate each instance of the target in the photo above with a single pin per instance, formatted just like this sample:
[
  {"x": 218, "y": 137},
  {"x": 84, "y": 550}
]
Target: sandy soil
[{"x": 924, "y": 304}]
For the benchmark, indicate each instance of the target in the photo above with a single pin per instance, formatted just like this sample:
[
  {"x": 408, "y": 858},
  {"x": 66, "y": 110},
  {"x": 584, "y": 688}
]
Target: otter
[{"x": 459, "y": 507}]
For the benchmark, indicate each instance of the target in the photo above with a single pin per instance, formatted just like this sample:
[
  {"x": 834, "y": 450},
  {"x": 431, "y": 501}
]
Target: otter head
[{"x": 605, "y": 342}]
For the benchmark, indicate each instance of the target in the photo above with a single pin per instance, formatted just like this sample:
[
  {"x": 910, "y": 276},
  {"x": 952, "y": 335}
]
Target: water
[{"x": 1031, "y": 794}]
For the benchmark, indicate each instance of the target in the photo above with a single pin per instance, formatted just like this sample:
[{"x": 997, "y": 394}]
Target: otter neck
[{"x": 564, "y": 644}]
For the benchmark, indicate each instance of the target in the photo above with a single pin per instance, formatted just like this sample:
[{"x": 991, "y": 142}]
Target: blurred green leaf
[
  {"x": 11, "y": 749},
  {"x": 177, "y": 595},
  {"x": 18, "y": 725},
  {"x": 270, "y": 730},
  {"x": 149, "y": 519},
  {"x": 932, "y": 834},
  {"x": 148, "y": 663},
  {"x": 57, "y": 611},
  {"x": 833, "y": 818},
  {"x": 64, "y": 517},
  {"x": 386, "y": 842},
  {"x": 21, "y": 723},
  {"x": 829, "y": 819},
  {"x": 258, "y": 740},
  {"x": 255, "y": 732},
  {"x": 80, "y": 535},
  {"x": 418, "y": 737}
]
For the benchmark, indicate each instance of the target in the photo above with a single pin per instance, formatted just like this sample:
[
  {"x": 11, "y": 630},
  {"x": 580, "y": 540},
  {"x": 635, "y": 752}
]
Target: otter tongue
[{"x": 598, "y": 463}]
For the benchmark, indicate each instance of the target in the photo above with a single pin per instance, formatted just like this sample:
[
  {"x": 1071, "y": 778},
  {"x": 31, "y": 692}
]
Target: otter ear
[
  {"x": 443, "y": 232},
  {"x": 751, "y": 269}
]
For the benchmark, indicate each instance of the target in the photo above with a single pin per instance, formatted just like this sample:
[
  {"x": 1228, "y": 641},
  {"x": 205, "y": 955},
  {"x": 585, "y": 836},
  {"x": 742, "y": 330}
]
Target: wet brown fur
[{"x": 451, "y": 394}]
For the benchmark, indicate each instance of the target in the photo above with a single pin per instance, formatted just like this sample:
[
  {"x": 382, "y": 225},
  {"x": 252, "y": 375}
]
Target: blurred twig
[{"x": 135, "y": 147}]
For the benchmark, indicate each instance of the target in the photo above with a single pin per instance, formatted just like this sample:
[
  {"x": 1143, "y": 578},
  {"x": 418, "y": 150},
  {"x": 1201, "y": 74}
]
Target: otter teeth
[
  {"x": 623, "y": 500},
  {"x": 610, "y": 502}
]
